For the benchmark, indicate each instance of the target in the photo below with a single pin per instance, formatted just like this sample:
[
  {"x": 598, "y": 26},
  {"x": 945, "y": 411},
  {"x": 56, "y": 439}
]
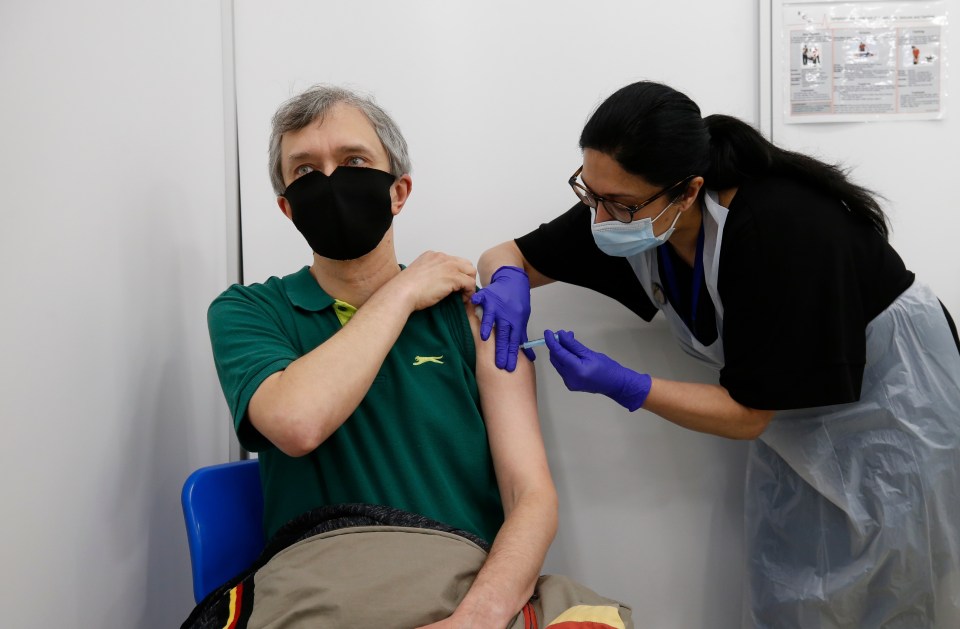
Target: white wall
[
  {"x": 491, "y": 97},
  {"x": 112, "y": 243}
]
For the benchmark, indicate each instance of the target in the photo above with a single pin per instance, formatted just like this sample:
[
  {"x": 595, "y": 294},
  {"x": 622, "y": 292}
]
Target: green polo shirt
[{"x": 416, "y": 442}]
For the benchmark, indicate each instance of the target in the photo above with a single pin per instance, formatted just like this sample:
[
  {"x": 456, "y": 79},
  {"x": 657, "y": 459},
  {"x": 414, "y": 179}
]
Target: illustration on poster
[{"x": 810, "y": 55}]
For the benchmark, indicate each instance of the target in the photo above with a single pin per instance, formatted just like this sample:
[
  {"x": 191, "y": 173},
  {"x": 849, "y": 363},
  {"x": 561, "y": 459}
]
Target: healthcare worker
[{"x": 841, "y": 367}]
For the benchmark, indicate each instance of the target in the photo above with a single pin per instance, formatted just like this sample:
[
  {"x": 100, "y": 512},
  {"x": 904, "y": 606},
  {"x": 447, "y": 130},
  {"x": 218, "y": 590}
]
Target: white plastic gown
[{"x": 853, "y": 510}]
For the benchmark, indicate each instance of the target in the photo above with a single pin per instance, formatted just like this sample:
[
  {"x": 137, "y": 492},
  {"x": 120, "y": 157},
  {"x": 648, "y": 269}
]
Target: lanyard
[{"x": 671, "y": 281}]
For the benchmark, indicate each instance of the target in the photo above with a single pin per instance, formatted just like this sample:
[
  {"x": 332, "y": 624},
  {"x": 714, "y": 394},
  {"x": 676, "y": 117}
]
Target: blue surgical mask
[{"x": 628, "y": 239}]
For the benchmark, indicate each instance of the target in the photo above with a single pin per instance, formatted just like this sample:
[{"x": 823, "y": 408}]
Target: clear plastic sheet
[{"x": 853, "y": 510}]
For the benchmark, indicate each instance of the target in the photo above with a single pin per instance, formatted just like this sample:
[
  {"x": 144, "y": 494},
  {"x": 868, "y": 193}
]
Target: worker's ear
[
  {"x": 400, "y": 192},
  {"x": 285, "y": 207},
  {"x": 690, "y": 194}
]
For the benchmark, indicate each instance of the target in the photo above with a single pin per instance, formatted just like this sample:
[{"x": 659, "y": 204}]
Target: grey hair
[{"x": 299, "y": 111}]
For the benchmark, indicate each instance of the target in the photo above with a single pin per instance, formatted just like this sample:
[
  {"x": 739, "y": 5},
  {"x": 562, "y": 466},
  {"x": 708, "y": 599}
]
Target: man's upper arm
[{"x": 509, "y": 403}]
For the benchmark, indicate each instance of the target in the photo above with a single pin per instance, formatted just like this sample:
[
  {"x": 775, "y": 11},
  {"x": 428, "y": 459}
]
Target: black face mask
[{"x": 345, "y": 215}]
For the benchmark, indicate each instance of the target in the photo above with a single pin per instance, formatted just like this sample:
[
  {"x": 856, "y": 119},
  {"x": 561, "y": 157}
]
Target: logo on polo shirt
[{"x": 419, "y": 360}]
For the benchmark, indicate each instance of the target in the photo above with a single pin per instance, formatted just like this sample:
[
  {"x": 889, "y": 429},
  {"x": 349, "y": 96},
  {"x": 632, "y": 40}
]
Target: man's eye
[
  {"x": 303, "y": 170},
  {"x": 355, "y": 161}
]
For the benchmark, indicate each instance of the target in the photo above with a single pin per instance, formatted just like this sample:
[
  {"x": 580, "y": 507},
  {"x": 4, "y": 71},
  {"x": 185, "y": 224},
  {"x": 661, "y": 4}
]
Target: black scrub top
[{"x": 800, "y": 277}]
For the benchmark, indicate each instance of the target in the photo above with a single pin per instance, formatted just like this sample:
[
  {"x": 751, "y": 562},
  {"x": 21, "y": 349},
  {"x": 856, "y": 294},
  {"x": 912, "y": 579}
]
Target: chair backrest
[{"x": 223, "y": 511}]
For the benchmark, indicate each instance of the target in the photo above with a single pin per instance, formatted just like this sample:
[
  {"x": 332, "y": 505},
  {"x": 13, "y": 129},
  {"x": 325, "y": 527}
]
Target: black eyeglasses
[{"x": 619, "y": 211}]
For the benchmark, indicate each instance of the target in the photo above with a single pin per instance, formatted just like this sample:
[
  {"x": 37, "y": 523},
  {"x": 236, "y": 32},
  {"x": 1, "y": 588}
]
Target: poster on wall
[{"x": 855, "y": 61}]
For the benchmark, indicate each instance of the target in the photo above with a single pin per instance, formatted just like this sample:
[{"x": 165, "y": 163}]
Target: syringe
[{"x": 536, "y": 342}]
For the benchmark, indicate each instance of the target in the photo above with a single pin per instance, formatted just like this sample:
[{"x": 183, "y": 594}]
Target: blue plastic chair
[{"x": 223, "y": 511}]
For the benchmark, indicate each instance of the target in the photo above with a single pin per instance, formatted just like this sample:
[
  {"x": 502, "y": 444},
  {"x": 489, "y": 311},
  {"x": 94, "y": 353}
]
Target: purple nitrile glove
[
  {"x": 506, "y": 304},
  {"x": 583, "y": 369}
]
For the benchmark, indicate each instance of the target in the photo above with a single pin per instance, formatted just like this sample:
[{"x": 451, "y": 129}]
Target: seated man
[{"x": 363, "y": 383}]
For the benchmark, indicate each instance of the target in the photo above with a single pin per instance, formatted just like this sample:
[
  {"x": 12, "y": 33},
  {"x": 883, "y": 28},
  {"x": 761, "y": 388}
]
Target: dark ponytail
[
  {"x": 739, "y": 152},
  {"x": 654, "y": 131}
]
